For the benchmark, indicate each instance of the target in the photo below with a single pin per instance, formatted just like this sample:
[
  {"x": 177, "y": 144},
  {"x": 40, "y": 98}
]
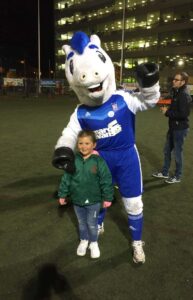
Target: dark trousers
[{"x": 174, "y": 143}]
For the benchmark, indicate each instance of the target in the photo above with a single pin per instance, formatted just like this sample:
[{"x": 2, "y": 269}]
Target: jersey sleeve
[{"x": 144, "y": 99}]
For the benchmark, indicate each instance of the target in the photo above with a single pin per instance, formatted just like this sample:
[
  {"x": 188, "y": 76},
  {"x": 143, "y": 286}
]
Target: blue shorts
[{"x": 125, "y": 168}]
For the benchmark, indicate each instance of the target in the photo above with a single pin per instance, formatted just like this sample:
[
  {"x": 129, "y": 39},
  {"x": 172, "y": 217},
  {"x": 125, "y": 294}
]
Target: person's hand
[
  {"x": 163, "y": 109},
  {"x": 107, "y": 204},
  {"x": 62, "y": 201}
]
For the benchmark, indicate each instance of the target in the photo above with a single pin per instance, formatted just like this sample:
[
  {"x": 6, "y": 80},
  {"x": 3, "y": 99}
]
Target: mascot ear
[
  {"x": 95, "y": 40},
  {"x": 66, "y": 49}
]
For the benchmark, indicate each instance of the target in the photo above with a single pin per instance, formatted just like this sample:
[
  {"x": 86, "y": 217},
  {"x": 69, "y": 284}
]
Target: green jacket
[{"x": 91, "y": 183}]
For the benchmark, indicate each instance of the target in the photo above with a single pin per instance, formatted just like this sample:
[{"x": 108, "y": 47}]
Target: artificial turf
[{"x": 38, "y": 239}]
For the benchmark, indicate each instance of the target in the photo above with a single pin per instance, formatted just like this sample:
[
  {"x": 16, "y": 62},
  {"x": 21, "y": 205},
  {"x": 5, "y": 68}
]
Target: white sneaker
[
  {"x": 160, "y": 175},
  {"x": 94, "y": 250},
  {"x": 138, "y": 253},
  {"x": 101, "y": 229},
  {"x": 82, "y": 247},
  {"x": 173, "y": 179}
]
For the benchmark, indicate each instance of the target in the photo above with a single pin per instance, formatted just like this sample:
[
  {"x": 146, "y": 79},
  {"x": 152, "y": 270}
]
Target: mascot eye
[
  {"x": 71, "y": 67},
  {"x": 101, "y": 56}
]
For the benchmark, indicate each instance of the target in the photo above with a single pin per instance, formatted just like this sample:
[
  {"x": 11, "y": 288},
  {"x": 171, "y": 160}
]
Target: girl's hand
[
  {"x": 107, "y": 204},
  {"x": 62, "y": 201}
]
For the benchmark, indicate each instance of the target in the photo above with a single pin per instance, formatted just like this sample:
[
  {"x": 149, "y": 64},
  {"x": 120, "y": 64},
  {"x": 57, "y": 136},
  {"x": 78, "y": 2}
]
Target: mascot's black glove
[
  {"x": 147, "y": 74},
  {"x": 64, "y": 159}
]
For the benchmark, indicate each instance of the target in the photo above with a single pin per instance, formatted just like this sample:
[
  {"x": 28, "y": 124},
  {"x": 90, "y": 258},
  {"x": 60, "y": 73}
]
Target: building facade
[{"x": 132, "y": 32}]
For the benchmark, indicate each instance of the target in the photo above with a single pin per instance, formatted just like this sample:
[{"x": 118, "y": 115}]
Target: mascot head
[{"x": 89, "y": 70}]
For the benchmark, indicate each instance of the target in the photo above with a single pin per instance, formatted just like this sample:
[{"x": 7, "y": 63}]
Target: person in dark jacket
[
  {"x": 89, "y": 188},
  {"x": 177, "y": 114}
]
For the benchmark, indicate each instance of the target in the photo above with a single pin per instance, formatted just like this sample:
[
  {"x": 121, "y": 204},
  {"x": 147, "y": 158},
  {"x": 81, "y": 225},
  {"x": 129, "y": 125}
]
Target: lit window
[
  {"x": 60, "y": 52},
  {"x": 180, "y": 62}
]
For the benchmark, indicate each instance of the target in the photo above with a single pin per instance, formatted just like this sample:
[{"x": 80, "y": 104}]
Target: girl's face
[{"x": 85, "y": 146}]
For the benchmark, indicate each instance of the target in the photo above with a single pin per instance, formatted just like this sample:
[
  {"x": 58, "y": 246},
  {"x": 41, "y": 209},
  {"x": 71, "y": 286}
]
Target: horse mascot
[{"x": 110, "y": 113}]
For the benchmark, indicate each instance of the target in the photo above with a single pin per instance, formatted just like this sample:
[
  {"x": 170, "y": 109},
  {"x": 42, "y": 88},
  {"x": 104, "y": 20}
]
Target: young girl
[{"x": 89, "y": 188}]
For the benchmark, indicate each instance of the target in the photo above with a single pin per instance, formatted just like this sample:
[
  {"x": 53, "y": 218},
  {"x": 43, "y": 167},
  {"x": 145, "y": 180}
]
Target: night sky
[{"x": 19, "y": 33}]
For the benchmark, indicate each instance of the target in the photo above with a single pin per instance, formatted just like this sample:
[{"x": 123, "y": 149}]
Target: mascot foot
[
  {"x": 138, "y": 253},
  {"x": 101, "y": 229}
]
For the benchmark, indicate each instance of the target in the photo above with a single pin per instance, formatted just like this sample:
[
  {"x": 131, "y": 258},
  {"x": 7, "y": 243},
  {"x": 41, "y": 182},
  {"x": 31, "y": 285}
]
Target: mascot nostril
[
  {"x": 110, "y": 113},
  {"x": 83, "y": 77}
]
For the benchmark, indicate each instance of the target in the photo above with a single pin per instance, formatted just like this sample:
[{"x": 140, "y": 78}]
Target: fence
[
  {"x": 31, "y": 86},
  {"x": 50, "y": 87}
]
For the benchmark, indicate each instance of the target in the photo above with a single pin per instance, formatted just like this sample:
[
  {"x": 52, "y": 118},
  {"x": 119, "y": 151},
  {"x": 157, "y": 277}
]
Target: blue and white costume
[
  {"x": 114, "y": 126},
  {"x": 111, "y": 114}
]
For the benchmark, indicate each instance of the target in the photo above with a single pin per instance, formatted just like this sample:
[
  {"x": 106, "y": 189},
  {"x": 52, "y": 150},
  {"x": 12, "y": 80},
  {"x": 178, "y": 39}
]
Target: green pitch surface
[{"x": 38, "y": 240}]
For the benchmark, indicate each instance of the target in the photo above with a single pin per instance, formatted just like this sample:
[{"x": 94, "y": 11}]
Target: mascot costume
[{"x": 111, "y": 115}]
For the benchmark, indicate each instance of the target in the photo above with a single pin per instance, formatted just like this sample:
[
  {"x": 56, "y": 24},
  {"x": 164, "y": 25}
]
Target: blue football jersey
[{"x": 113, "y": 123}]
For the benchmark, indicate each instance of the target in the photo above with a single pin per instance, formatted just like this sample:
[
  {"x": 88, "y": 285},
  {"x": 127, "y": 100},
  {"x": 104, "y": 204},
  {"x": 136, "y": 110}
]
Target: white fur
[
  {"x": 89, "y": 71},
  {"x": 95, "y": 40},
  {"x": 69, "y": 134}
]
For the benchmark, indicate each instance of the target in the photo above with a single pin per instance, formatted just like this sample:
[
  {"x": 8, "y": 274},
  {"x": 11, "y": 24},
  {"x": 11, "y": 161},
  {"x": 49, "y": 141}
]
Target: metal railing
[{"x": 33, "y": 87}]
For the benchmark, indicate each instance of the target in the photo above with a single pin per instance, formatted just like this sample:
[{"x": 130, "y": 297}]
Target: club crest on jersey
[
  {"x": 111, "y": 114},
  {"x": 113, "y": 129}
]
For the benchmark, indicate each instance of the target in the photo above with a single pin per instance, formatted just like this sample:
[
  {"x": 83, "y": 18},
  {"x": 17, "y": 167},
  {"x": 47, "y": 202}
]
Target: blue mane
[{"x": 79, "y": 41}]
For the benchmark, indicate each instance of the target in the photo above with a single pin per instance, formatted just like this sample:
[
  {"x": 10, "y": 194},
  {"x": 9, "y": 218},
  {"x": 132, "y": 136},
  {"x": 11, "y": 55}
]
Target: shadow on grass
[
  {"x": 117, "y": 212},
  {"x": 152, "y": 157},
  {"x": 119, "y": 216},
  {"x": 62, "y": 210},
  {"x": 49, "y": 282},
  {"x": 68, "y": 209},
  {"x": 28, "y": 192},
  {"x": 34, "y": 182},
  {"x": 9, "y": 202},
  {"x": 98, "y": 267},
  {"x": 153, "y": 184}
]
